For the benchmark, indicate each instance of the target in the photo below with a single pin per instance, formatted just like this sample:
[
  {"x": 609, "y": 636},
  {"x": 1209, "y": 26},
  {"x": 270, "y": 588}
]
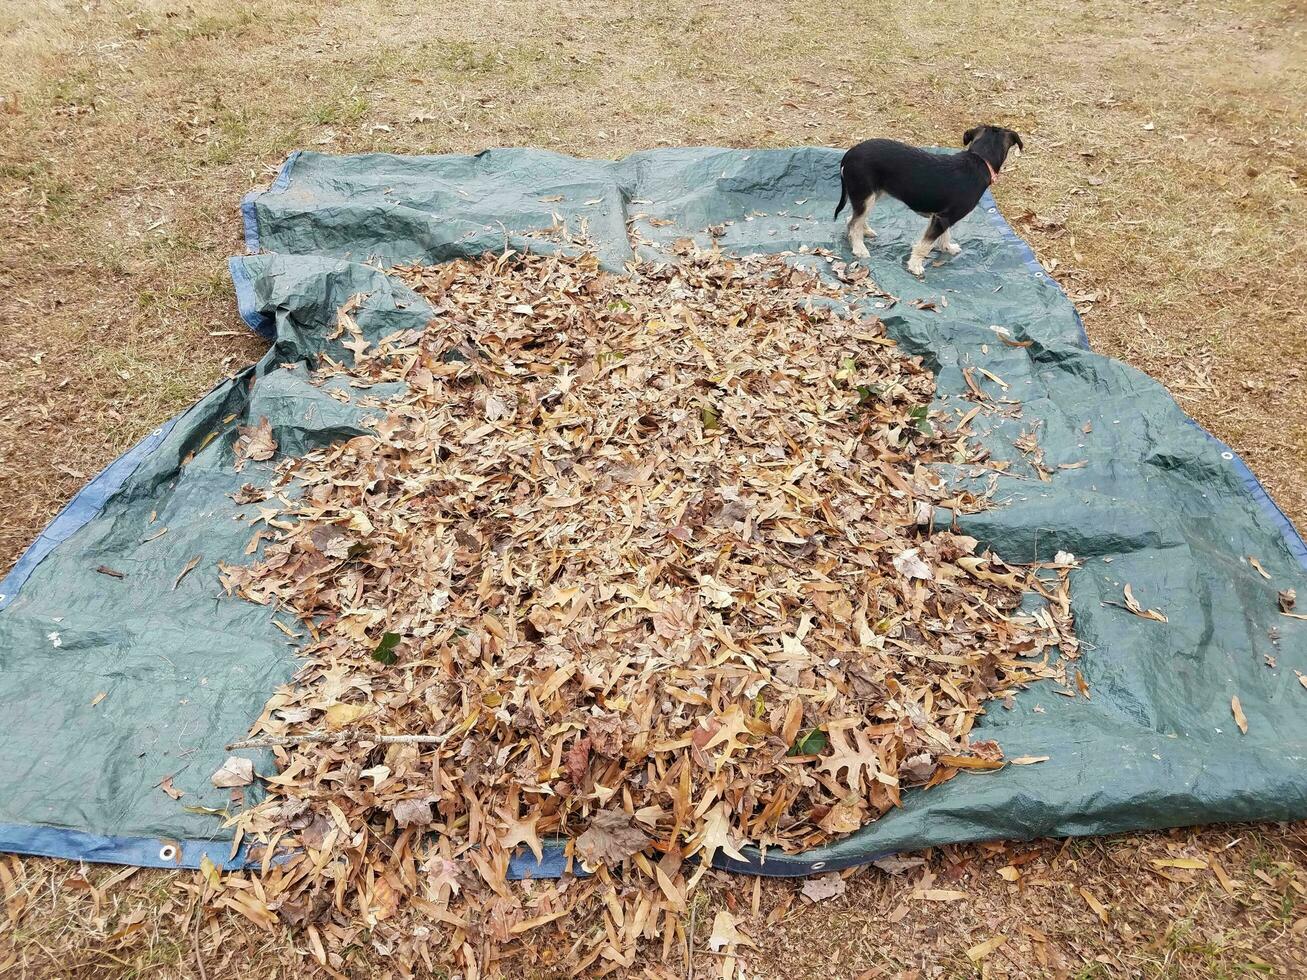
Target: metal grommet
[
  {"x": 818, "y": 866},
  {"x": 1227, "y": 455},
  {"x": 168, "y": 852},
  {"x": 993, "y": 210}
]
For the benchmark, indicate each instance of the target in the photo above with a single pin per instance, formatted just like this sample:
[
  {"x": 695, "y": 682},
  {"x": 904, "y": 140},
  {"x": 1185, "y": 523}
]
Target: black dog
[{"x": 941, "y": 188}]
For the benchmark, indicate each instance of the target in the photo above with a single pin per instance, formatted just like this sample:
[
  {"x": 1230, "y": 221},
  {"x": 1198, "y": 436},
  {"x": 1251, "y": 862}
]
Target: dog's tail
[{"x": 844, "y": 195}]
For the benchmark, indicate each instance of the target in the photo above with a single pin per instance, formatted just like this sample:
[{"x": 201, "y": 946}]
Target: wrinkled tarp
[{"x": 1158, "y": 504}]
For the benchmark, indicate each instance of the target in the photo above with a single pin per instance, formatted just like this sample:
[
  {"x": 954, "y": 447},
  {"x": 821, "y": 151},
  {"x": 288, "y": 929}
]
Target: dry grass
[{"x": 129, "y": 130}]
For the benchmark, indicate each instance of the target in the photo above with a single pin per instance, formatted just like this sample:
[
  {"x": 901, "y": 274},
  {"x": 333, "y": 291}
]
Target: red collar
[{"x": 993, "y": 174}]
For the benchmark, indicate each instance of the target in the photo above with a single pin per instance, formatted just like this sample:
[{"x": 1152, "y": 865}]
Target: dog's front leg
[{"x": 926, "y": 245}]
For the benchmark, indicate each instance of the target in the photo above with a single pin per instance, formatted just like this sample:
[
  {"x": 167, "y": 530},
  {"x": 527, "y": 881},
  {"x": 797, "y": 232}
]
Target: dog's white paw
[
  {"x": 953, "y": 248},
  {"x": 860, "y": 251},
  {"x": 870, "y": 232},
  {"x": 916, "y": 266}
]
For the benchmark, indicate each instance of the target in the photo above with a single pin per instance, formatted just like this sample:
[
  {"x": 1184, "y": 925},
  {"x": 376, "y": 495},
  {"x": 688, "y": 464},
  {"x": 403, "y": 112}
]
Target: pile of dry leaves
[{"x": 642, "y": 563}]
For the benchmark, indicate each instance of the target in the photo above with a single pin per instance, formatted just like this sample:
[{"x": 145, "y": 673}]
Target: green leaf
[
  {"x": 709, "y": 417},
  {"x": 920, "y": 422},
  {"x": 848, "y": 368},
  {"x": 385, "y": 651},
  {"x": 809, "y": 743},
  {"x": 868, "y": 394}
]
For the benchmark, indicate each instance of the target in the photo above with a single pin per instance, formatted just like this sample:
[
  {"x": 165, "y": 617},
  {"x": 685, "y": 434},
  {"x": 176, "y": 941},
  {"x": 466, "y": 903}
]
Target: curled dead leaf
[{"x": 236, "y": 771}]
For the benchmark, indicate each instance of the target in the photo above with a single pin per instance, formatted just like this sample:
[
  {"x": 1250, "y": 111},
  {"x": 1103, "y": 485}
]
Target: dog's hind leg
[
  {"x": 935, "y": 231},
  {"x": 858, "y": 225},
  {"x": 947, "y": 243}
]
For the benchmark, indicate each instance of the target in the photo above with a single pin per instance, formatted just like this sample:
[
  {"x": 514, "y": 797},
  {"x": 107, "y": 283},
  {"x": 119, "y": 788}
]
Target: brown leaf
[
  {"x": 611, "y": 838},
  {"x": 412, "y": 813},
  {"x": 166, "y": 785},
  {"x": 822, "y": 887},
  {"x": 190, "y": 567},
  {"x": 578, "y": 762},
  {"x": 254, "y": 443},
  {"x": 1287, "y": 598},
  {"x": 897, "y": 864},
  {"x": 234, "y": 772},
  {"x": 1099, "y": 908},
  {"x": 939, "y": 895},
  {"x": 1237, "y": 710},
  {"x": 1134, "y": 607},
  {"x": 978, "y": 952}
]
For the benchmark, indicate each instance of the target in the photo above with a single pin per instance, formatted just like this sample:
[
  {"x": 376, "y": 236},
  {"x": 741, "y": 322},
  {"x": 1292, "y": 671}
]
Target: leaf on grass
[
  {"x": 1227, "y": 884},
  {"x": 234, "y": 772},
  {"x": 1009, "y": 873},
  {"x": 1237, "y": 710},
  {"x": 209, "y": 871},
  {"x": 978, "y": 952},
  {"x": 897, "y": 864},
  {"x": 726, "y": 935},
  {"x": 822, "y": 887},
  {"x": 1099, "y": 908},
  {"x": 940, "y": 895},
  {"x": 1191, "y": 864}
]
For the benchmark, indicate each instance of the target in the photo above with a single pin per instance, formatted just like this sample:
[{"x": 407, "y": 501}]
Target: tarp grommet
[{"x": 168, "y": 852}]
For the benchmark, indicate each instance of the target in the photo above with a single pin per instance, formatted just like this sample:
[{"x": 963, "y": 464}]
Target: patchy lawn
[{"x": 1163, "y": 185}]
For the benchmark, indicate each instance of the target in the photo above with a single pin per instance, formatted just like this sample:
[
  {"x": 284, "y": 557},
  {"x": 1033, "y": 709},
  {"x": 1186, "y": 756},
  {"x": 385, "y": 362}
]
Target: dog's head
[{"x": 992, "y": 142}]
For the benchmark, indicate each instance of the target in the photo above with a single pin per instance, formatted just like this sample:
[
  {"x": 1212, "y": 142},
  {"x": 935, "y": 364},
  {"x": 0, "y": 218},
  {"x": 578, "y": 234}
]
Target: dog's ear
[
  {"x": 970, "y": 134},
  {"x": 1014, "y": 139}
]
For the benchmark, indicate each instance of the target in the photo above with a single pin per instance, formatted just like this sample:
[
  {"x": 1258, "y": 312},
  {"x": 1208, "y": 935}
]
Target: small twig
[
  {"x": 199, "y": 917},
  {"x": 352, "y": 735},
  {"x": 689, "y": 941}
]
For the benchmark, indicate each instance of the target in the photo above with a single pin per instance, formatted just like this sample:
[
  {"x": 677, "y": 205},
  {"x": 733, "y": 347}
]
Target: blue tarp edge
[
  {"x": 246, "y": 302},
  {"x": 86, "y": 504}
]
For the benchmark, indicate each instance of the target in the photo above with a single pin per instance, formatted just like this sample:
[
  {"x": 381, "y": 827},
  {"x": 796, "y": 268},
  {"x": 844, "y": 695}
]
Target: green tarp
[{"x": 1157, "y": 503}]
